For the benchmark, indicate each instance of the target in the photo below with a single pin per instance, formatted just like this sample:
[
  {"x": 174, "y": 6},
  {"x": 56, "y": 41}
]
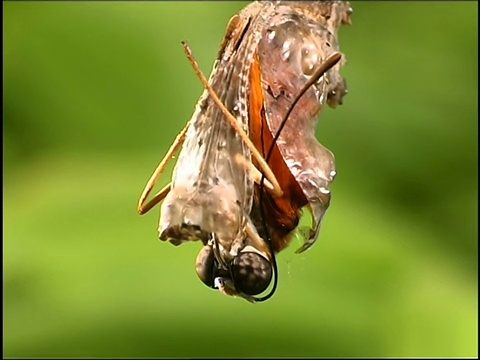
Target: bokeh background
[{"x": 94, "y": 94}]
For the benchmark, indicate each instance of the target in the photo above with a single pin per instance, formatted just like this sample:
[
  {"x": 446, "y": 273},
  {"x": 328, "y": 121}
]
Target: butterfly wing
[{"x": 302, "y": 35}]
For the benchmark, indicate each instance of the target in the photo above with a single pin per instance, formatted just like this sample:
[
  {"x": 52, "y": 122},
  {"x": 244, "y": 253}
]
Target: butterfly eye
[
  {"x": 205, "y": 265},
  {"x": 251, "y": 273}
]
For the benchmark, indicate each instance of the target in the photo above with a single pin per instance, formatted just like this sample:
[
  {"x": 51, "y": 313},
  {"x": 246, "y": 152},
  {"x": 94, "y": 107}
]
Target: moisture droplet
[
  {"x": 324, "y": 190},
  {"x": 310, "y": 59},
  {"x": 286, "y": 50},
  {"x": 271, "y": 35},
  {"x": 322, "y": 98}
]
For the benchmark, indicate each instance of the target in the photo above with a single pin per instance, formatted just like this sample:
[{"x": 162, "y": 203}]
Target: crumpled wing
[
  {"x": 211, "y": 190},
  {"x": 300, "y": 37}
]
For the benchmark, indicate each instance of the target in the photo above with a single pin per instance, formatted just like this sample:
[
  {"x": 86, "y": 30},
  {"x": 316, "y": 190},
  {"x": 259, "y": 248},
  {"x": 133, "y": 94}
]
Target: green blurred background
[{"x": 94, "y": 94}]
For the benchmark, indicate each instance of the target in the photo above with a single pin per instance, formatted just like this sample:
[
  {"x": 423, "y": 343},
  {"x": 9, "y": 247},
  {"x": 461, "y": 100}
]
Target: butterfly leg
[
  {"x": 256, "y": 175},
  {"x": 257, "y": 241},
  {"x": 158, "y": 197},
  {"x": 233, "y": 122},
  {"x": 142, "y": 207}
]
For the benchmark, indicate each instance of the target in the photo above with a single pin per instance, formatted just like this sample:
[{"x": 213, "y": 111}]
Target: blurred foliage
[{"x": 94, "y": 94}]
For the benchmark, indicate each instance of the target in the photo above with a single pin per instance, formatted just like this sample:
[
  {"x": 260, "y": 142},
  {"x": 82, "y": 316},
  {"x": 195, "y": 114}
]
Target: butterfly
[{"x": 211, "y": 195}]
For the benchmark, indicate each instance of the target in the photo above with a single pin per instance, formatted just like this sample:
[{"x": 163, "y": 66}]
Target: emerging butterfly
[{"x": 211, "y": 196}]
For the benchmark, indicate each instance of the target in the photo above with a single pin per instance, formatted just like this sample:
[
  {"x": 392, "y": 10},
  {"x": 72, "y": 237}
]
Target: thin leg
[
  {"x": 258, "y": 242},
  {"x": 144, "y": 208},
  {"x": 158, "y": 171},
  {"x": 217, "y": 253},
  {"x": 233, "y": 121},
  {"x": 256, "y": 175}
]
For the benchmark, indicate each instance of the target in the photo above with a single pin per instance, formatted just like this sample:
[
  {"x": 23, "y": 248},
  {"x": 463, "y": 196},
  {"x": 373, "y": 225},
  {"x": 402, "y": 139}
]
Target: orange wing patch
[{"x": 283, "y": 213}]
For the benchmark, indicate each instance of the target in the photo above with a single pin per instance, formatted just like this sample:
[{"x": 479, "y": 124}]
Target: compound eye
[
  {"x": 205, "y": 265},
  {"x": 251, "y": 273}
]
